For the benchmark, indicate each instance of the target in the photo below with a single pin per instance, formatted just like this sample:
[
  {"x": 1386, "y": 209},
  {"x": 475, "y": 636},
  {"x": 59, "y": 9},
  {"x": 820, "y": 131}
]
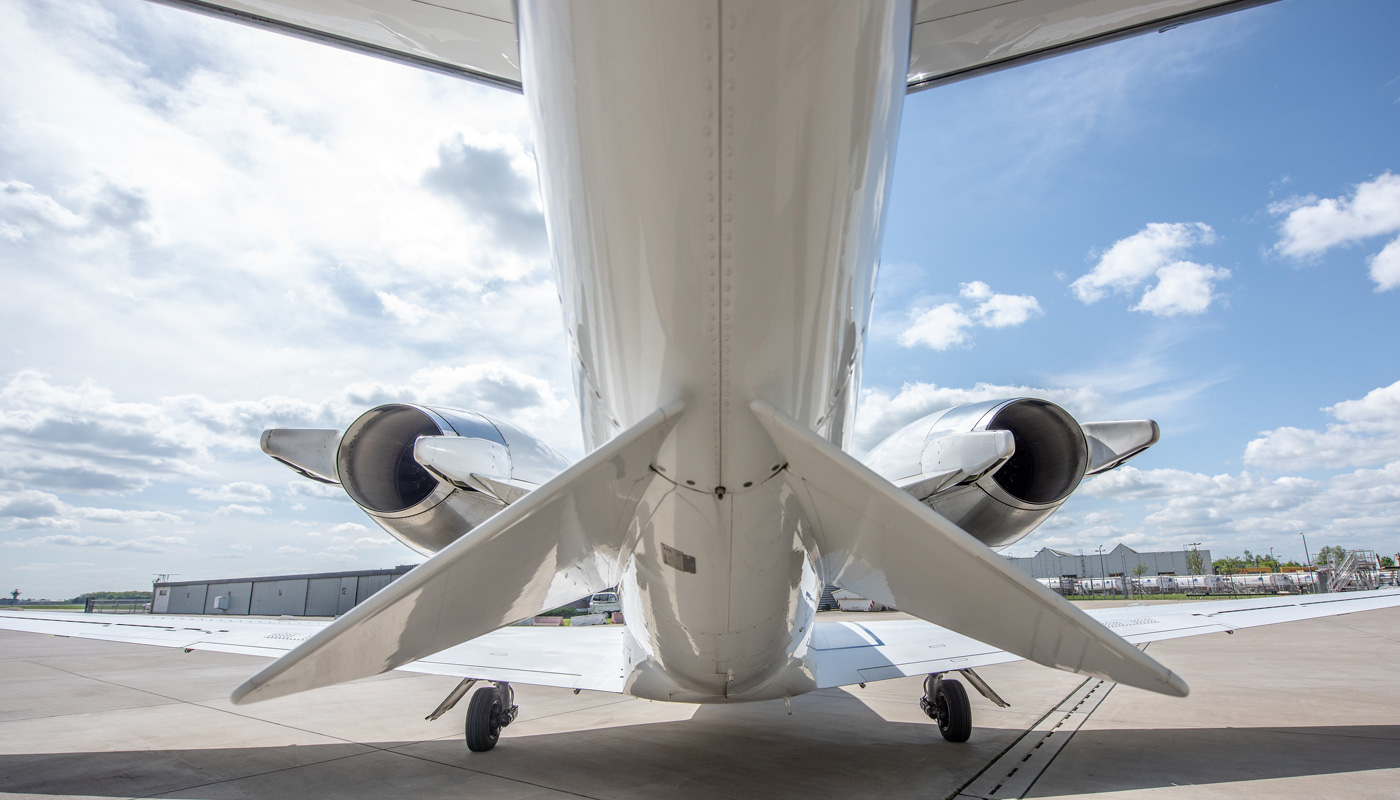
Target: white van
[{"x": 604, "y": 603}]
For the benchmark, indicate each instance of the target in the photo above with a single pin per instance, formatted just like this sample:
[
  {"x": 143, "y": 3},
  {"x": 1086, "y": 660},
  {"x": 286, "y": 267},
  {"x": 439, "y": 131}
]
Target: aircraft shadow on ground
[
  {"x": 1097, "y": 761},
  {"x": 716, "y": 753}
]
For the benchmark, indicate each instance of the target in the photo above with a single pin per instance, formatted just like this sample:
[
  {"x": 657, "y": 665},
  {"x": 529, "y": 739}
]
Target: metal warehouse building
[
  {"x": 1120, "y": 560},
  {"x": 327, "y": 594}
]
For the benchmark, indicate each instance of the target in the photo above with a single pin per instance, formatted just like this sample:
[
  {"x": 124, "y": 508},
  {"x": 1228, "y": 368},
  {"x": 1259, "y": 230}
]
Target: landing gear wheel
[
  {"x": 950, "y": 707},
  {"x": 485, "y": 717}
]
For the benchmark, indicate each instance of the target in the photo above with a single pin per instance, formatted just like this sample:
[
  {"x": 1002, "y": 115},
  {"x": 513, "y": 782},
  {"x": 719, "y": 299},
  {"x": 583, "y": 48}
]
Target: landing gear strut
[
  {"x": 946, "y": 701},
  {"x": 491, "y": 709}
]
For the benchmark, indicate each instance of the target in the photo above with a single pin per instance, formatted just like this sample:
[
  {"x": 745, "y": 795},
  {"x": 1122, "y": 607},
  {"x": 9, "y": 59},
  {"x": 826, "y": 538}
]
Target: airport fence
[{"x": 137, "y": 606}]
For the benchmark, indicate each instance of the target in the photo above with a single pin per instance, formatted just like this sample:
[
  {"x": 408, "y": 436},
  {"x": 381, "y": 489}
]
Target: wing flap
[
  {"x": 264, "y": 636},
  {"x": 472, "y": 39},
  {"x": 572, "y": 658},
  {"x": 957, "y": 39},
  {"x": 884, "y": 649}
]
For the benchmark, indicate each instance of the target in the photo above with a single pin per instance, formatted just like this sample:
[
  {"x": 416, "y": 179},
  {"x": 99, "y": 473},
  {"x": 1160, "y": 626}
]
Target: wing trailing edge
[
  {"x": 883, "y": 544},
  {"x": 478, "y": 39}
]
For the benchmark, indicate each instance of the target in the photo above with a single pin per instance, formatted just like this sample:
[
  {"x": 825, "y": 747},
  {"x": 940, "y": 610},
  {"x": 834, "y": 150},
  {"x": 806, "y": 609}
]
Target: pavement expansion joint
[{"x": 1015, "y": 771}]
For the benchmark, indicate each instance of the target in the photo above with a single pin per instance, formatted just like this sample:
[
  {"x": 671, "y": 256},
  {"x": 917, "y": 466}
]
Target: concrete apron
[{"x": 87, "y": 718}]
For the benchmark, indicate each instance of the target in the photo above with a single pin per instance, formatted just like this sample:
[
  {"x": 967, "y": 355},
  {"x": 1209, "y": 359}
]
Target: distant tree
[
  {"x": 1387, "y": 562},
  {"x": 1195, "y": 562},
  {"x": 1331, "y": 554},
  {"x": 134, "y": 594},
  {"x": 1139, "y": 570},
  {"x": 1228, "y": 565}
]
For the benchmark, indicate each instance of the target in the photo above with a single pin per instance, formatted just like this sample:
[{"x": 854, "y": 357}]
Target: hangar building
[
  {"x": 1050, "y": 563},
  {"x": 326, "y": 594}
]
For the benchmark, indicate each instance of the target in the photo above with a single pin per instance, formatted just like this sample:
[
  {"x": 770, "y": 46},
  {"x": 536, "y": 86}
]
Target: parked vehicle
[
  {"x": 604, "y": 603},
  {"x": 850, "y": 601}
]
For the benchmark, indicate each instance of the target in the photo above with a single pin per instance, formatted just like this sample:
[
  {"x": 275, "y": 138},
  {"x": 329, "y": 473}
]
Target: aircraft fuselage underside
[{"x": 726, "y": 256}]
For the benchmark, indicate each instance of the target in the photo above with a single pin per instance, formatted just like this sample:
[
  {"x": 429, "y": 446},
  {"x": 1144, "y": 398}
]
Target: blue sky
[{"x": 207, "y": 230}]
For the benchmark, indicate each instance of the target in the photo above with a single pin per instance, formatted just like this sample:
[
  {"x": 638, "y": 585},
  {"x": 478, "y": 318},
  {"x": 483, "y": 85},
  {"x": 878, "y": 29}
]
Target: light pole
[
  {"x": 1103, "y": 571},
  {"x": 1305, "y": 547}
]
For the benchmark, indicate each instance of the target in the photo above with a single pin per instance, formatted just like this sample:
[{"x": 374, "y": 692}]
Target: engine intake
[
  {"x": 494, "y": 464},
  {"x": 1051, "y": 453},
  {"x": 375, "y": 459},
  {"x": 1000, "y": 491}
]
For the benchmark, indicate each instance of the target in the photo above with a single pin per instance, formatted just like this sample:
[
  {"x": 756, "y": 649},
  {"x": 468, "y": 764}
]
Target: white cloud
[
  {"x": 1253, "y": 510},
  {"x": 305, "y": 487},
  {"x": 236, "y": 491},
  {"x": 239, "y": 244},
  {"x": 147, "y": 544},
  {"x": 83, "y": 438},
  {"x": 1182, "y": 288},
  {"x": 1367, "y": 432},
  {"x": 402, "y": 310},
  {"x": 348, "y": 527},
  {"x": 236, "y": 508},
  {"x": 1385, "y": 266},
  {"x": 1157, "y": 251},
  {"x": 28, "y": 508},
  {"x": 26, "y": 211},
  {"x": 1007, "y": 310},
  {"x": 881, "y": 414},
  {"x": 939, "y": 328},
  {"x": 947, "y": 325},
  {"x": 1310, "y": 228},
  {"x": 1247, "y": 509}
]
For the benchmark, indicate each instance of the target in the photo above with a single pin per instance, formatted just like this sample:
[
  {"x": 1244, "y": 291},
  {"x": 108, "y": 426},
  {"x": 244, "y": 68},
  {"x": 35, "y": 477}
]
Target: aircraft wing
[
  {"x": 472, "y": 39},
  {"x": 573, "y": 658},
  {"x": 477, "y": 39},
  {"x": 860, "y": 652},
  {"x": 957, "y": 39}
]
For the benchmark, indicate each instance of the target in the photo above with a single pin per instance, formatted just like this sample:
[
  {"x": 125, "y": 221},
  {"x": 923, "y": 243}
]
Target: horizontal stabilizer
[
  {"x": 559, "y": 542},
  {"x": 878, "y": 541},
  {"x": 308, "y": 451}
]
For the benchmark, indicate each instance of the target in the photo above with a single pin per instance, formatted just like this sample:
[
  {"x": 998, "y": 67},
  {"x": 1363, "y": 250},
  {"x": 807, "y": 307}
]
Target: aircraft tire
[
  {"x": 954, "y": 712},
  {"x": 484, "y": 719}
]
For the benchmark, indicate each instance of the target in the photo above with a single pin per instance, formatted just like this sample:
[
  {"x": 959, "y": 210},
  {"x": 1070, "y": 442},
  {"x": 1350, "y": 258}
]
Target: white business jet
[{"x": 715, "y": 178}]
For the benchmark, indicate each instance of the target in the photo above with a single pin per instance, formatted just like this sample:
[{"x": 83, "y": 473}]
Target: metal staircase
[{"x": 1360, "y": 570}]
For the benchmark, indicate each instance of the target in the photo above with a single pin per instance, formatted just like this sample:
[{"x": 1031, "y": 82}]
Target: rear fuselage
[{"x": 714, "y": 179}]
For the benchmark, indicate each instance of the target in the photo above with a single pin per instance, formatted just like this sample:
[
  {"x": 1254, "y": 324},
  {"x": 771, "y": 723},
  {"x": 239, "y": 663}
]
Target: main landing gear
[
  {"x": 491, "y": 709},
  {"x": 945, "y": 700}
]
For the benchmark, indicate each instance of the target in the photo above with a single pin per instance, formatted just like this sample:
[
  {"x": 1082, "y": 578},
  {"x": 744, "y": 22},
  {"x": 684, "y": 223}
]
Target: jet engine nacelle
[
  {"x": 426, "y": 475},
  {"x": 998, "y": 469}
]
